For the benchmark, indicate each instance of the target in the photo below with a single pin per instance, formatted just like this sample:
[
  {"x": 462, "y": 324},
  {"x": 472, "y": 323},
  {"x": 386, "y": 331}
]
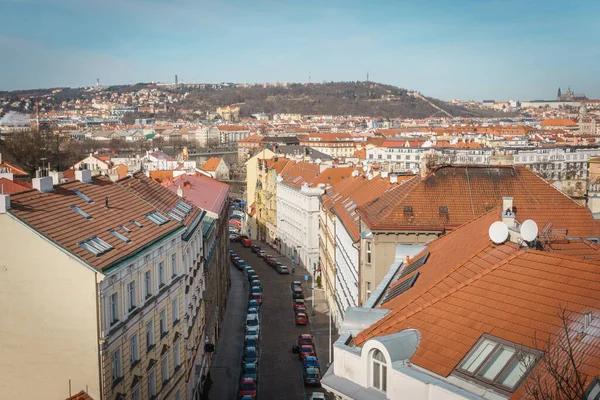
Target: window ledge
[
  {"x": 117, "y": 381},
  {"x": 150, "y": 348},
  {"x": 163, "y": 334},
  {"x": 135, "y": 363},
  {"x": 176, "y": 322}
]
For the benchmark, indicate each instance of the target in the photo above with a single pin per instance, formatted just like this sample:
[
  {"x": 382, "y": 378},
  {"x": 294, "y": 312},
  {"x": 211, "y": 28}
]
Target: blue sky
[{"x": 469, "y": 49}]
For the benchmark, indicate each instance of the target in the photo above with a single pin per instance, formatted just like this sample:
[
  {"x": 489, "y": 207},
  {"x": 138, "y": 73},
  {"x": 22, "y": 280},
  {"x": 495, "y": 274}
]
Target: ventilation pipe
[{"x": 508, "y": 215}]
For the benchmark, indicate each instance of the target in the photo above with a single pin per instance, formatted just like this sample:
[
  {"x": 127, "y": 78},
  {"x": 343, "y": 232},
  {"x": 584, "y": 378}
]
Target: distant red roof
[
  {"x": 211, "y": 164},
  {"x": 200, "y": 190},
  {"x": 12, "y": 187}
]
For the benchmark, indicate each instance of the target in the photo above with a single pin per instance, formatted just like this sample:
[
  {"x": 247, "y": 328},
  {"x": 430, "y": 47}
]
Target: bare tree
[{"x": 559, "y": 374}]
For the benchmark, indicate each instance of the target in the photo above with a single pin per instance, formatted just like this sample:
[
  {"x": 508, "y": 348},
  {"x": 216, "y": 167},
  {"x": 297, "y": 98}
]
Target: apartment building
[
  {"x": 335, "y": 145},
  {"x": 126, "y": 259}
]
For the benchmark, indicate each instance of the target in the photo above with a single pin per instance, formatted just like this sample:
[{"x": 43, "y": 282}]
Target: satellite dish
[
  {"x": 498, "y": 232},
  {"x": 529, "y": 230}
]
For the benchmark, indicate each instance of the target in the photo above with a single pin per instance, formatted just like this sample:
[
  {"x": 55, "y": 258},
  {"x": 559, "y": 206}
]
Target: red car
[
  {"x": 247, "y": 388},
  {"x": 300, "y": 310},
  {"x": 301, "y": 319},
  {"x": 305, "y": 339},
  {"x": 257, "y": 297},
  {"x": 305, "y": 351},
  {"x": 299, "y": 303}
]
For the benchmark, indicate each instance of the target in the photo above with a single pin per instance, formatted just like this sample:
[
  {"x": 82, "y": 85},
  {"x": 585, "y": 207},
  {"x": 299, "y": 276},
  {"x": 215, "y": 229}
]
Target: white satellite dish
[
  {"x": 498, "y": 232},
  {"x": 529, "y": 230}
]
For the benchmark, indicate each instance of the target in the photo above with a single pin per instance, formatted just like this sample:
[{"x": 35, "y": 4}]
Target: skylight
[
  {"x": 120, "y": 236},
  {"x": 401, "y": 288},
  {"x": 178, "y": 212},
  {"x": 96, "y": 246},
  {"x": 175, "y": 216},
  {"x": 83, "y": 196},
  {"x": 126, "y": 229},
  {"x": 186, "y": 207},
  {"x": 133, "y": 221},
  {"x": 81, "y": 212},
  {"x": 157, "y": 218},
  {"x": 413, "y": 266}
]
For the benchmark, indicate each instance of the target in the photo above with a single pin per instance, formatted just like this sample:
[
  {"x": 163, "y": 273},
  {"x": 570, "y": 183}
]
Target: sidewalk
[
  {"x": 226, "y": 363},
  {"x": 319, "y": 322}
]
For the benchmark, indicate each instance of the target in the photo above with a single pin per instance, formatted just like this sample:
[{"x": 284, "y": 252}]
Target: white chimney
[
  {"x": 43, "y": 184},
  {"x": 508, "y": 215},
  {"x": 4, "y": 202},
  {"x": 85, "y": 175},
  {"x": 56, "y": 177},
  {"x": 393, "y": 178},
  {"x": 179, "y": 191},
  {"x": 384, "y": 174},
  {"x": 355, "y": 173},
  {"x": 369, "y": 176}
]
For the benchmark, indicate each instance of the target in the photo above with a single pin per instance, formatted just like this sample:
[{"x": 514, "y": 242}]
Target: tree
[{"x": 559, "y": 374}]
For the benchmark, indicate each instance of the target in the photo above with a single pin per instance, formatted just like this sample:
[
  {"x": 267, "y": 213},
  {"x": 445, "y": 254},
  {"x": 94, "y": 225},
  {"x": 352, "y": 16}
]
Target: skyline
[{"x": 497, "y": 50}]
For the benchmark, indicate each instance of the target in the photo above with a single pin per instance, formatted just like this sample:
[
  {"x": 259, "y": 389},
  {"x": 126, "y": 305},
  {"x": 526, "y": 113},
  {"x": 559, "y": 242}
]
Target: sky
[{"x": 449, "y": 49}]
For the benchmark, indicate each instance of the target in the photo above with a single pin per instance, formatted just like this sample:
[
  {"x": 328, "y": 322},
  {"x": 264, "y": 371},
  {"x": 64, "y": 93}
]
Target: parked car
[
  {"x": 295, "y": 284},
  {"x": 250, "y": 355},
  {"x": 311, "y": 362},
  {"x": 252, "y": 311},
  {"x": 269, "y": 260},
  {"x": 253, "y": 331},
  {"x": 233, "y": 229},
  {"x": 297, "y": 294},
  {"x": 255, "y": 289},
  {"x": 257, "y": 297},
  {"x": 299, "y": 303},
  {"x": 315, "y": 396},
  {"x": 241, "y": 265},
  {"x": 234, "y": 237},
  {"x": 255, "y": 249},
  {"x": 251, "y": 341},
  {"x": 305, "y": 339},
  {"x": 252, "y": 275},
  {"x": 301, "y": 319},
  {"x": 303, "y": 351},
  {"x": 246, "y": 242},
  {"x": 250, "y": 371},
  {"x": 256, "y": 283},
  {"x": 282, "y": 269},
  {"x": 247, "y": 388},
  {"x": 261, "y": 253},
  {"x": 253, "y": 304},
  {"x": 300, "y": 310},
  {"x": 231, "y": 252},
  {"x": 312, "y": 377}
]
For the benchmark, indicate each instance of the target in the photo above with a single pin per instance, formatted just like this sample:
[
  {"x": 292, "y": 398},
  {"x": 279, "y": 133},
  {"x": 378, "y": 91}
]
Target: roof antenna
[{"x": 106, "y": 202}]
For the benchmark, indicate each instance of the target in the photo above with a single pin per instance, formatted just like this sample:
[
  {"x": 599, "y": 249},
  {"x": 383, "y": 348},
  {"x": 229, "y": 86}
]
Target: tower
[
  {"x": 176, "y": 80},
  {"x": 97, "y": 82},
  {"x": 309, "y": 77},
  {"x": 558, "y": 95},
  {"x": 367, "y": 77}
]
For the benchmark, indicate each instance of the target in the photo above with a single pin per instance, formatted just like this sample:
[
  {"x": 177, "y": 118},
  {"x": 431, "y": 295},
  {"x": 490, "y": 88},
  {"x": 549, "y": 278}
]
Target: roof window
[
  {"x": 81, "y": 212},
  {"x": 175, "y": 216},
  {"x": 96, "y": 246},
  {"x": 126, "y": 229},
  {"x": 443, "y": 210},
  {"x": 408, "y": 210},
  {"x": 186, "y": 208},
  {"x": 82, "y": 196},
  {"x": 157, "y": 218},
  {"x": 120, "y": 236},
  {"x": 413, "y": 266},
  {"x": 402, "y": 287},
  {"x": 498, "y": 363},
  {"x": 133, "y": 221}
]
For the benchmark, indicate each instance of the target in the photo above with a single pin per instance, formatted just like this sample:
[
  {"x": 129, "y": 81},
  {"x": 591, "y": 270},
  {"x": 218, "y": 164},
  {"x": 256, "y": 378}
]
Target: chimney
[
  {"x": 85, "y": 175},
  {"x": 424, "y": 167},
  {"x": 393, "y": 178},
  {"x": 369, "y": 176},
  {"x": 4, "y": 201},
  {"x": 179, "y": 191},
  {"x": 508, "y": 215},
  {"x": 43, "y": 184},
  {"x": 355, "y": 173},
  {"x": 0, "y": 158},
  {"x": 56, "y": 177},
  {"x": 106, "y": 203},
  {"x": 384, "y": 174}
]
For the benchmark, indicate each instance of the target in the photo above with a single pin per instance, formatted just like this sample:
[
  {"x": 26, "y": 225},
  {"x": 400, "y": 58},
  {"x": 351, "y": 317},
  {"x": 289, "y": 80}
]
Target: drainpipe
[{"x": 98, "y": 334}]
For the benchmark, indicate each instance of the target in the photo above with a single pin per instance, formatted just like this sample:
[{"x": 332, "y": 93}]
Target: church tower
[{"x": 558, "y": 95}]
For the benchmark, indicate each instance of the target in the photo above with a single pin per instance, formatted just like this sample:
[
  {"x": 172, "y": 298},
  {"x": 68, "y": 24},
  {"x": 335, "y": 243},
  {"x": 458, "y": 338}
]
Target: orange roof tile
[
  {"x": 160, "y": 175},
  {"x": 558, "y": 122},
  {"x": 232, "y": 128},
  {"x": 80, "y": 396},
  {"x": 211, "y": 164},
  {"x": 11, "y": 187}
]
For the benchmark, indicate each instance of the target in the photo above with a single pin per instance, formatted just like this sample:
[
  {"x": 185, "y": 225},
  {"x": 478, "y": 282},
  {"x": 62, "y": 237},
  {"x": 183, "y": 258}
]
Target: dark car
[
  {"x": 305, "y": 339},
  {"x": 249, "y": 371},
  {"x": 251, "y": 341},
  {"x": 257, "y": 297},
  {"x": 255, "y": 249},
  {"x": 253, "y": 304},
  {"x": 312, "y": 377},
  {"x": 250, "y": 355},
  {"x": 295, "y": 284},
  {"x": 252, "y": 275},
  {"x": 311, "y": 362},
  {"x": 247, "y": 388},
  {"x": 256, "y": 283},
  {"x": 256, "y": 289},
  {"x": 297, "y": 294}
]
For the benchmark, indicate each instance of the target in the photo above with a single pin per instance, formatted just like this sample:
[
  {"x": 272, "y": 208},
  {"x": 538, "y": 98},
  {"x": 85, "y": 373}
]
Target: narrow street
[{"x": 280, "y": 370}]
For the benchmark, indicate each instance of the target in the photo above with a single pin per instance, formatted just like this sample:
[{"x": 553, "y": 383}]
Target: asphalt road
[{"x": 280, "y": 374}]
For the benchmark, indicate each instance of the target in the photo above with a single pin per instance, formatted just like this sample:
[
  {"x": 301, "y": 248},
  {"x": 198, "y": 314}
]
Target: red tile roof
[
  {"x": 80, "y": 396},
  {"x": 202, "y": 191},
  {"x": 466, "y": 191},
  {"x": 12, "y": 168},
  {"x": 232, "y": 128},
  {"x": 11, "y": 187},
  {"x": 469, "y": 287},
  {"x": 558, "y": 122},
  {"x": 129, "y": 199},
  {"x": 211, "y": 164}
]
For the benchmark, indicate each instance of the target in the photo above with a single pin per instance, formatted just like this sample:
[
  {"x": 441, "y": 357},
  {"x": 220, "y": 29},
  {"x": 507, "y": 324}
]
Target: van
[{"x": 247, "y": 243}]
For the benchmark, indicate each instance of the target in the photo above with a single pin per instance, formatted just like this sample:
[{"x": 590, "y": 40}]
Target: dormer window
[{"x": 497, "y": 363}]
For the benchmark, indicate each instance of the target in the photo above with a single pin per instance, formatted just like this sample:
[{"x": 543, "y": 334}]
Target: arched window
[{"x": 379, "y": 371}]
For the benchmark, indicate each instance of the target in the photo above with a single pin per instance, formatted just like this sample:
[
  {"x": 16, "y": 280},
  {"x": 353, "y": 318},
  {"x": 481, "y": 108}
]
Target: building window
[
  {"x": 163, "y": 322},
  {"x": 379, "y": 377},
  {"x": 114, "y": 308},
  {"x": 164, "y": 368},
  {"x": 175, "y": 305},
  {"x": 497, "y": 363},
  {"x": 177, "y": 354},
  {"x": 150, "y": 335},
  {"x": 174, "y": 264},
  {"x": 152, "y": 383},
  {"x": 131, "y": 293},
  {"x": 136, "y": 393},
  {"x": 161, "y": 274},
  {"x": 117, "y": 370},
  {"x": 368, "y": 252},
  {"x": 148, "y": 284},
  {"x": 134, "y": 349}
]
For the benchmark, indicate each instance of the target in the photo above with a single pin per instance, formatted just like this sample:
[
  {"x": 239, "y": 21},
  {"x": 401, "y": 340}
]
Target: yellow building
[
  {"x": 251, "y": 182},
  {"x": 265, "y": 200},
  {"x": 99, "y": 289}
]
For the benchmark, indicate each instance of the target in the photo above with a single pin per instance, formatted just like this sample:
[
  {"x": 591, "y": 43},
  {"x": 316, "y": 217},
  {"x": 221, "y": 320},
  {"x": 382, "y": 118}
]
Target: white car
[
  {"x": 252, "y": 322},
  {"x": 316, "y": 396}
]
